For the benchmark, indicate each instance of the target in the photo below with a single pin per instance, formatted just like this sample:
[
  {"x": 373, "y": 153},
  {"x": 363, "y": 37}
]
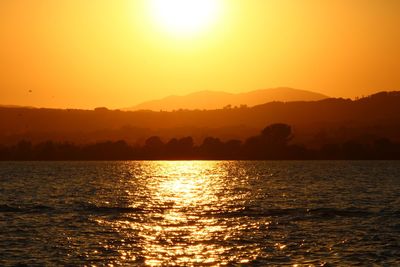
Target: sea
[{"x": 200, "y": 213}]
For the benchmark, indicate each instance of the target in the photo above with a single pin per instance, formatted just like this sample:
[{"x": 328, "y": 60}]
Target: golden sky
[{"x": 84, "y": 54}]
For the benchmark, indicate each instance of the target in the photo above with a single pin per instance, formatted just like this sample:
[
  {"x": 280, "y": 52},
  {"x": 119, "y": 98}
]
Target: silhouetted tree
[
  {"x": 153, "y": 143},
  {"x": 154, "y": 147},
  {"x": 211, "y": 148},
  {"x": 253, "y": 148},
  {"x": 185, "y": 145},
  {"x": 277, "y": 135},
  {"x": 180, "y": 149},
  {"x": 232, "y": 149},
  {"x": 383, "y": 148},
  {"x": 172, "y": 148},
  {"x": 5, "y": 153},
  {"x": 23, "y": 150},
  {"x": 297, "y": 152},
  {"x": 354, "y": 150},
  {"x": 46, "y": 151},
  {"x": 330, "y": 151},
  {"x": 271, "y": 143}
]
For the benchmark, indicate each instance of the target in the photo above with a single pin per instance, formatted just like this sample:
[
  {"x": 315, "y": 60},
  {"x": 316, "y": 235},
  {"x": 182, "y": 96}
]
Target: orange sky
[{"x": 84, "y": 54}]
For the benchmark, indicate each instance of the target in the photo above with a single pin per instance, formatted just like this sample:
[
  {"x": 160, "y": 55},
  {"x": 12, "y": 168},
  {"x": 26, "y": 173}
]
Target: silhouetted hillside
[
  {"x": 272, "y": 143},
  {"x": 314, "y": 123},
  {"x": 215, "y": 100}
]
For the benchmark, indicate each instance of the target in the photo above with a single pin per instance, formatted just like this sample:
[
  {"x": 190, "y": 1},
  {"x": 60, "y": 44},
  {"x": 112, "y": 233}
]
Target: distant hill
[
  {"x": 216, "y": 100},
  {"x": 314, "y": 122},
  {"x": 14, "y": 106}
]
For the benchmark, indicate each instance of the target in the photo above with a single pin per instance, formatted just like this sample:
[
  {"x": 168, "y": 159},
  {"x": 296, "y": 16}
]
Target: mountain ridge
[
  {"x": 209, "y": 100},
  {"x": 314, "y": 122}
]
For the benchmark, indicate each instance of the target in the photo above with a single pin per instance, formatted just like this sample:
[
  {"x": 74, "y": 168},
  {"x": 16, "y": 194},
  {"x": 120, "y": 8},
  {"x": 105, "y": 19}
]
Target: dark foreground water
[{"x": 200, "y": 213}]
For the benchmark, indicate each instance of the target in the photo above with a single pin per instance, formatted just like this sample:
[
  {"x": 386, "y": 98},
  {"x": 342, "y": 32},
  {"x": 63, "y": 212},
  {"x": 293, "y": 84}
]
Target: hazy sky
[{"x": 90, "y": 53}]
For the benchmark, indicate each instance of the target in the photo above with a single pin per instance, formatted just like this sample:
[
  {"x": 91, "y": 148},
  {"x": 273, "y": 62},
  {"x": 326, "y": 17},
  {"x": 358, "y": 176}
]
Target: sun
[{"x": 184, "y": 17}]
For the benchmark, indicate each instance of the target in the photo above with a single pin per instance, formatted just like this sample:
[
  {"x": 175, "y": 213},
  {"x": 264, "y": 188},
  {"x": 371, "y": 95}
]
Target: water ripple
[{"x": 199, "y": 213}]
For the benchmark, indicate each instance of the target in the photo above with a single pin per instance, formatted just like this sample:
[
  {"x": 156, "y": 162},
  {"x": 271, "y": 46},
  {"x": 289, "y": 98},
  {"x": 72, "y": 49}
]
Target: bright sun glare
[{"x": 184, "y": 17}]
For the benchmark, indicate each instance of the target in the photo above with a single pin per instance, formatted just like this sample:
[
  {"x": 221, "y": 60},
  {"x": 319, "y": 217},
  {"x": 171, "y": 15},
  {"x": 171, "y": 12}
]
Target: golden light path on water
[
  {"x": 178, "y": 226},
  {"x": 187, "y": 187},
  {"x": 223, "y": 213}
]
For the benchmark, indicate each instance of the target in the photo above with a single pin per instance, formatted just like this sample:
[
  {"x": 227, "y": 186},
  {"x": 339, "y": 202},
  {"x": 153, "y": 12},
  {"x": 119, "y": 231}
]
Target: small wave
[
  {"x": 331, "y": 212},
  {"x": 293, "y": 212},
  {"x": 27, "y": 209},
  {"x": 6, "y": 208},
  {"x": 109, "y": 210}
]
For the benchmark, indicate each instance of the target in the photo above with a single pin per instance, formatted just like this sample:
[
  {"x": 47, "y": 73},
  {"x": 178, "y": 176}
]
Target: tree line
[{"x": 272, "y": 143}]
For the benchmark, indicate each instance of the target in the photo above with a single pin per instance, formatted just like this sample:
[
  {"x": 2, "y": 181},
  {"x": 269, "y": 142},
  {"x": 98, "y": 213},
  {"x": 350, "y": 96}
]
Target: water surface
[{"x": 200, "y": 213}]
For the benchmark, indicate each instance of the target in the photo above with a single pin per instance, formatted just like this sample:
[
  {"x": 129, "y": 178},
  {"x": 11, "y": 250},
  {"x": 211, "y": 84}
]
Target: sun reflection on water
[
  {"x": 186, "y": 190},
  {"x": 200, "y": 214},
  {"x": 177, "y": 225}
]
